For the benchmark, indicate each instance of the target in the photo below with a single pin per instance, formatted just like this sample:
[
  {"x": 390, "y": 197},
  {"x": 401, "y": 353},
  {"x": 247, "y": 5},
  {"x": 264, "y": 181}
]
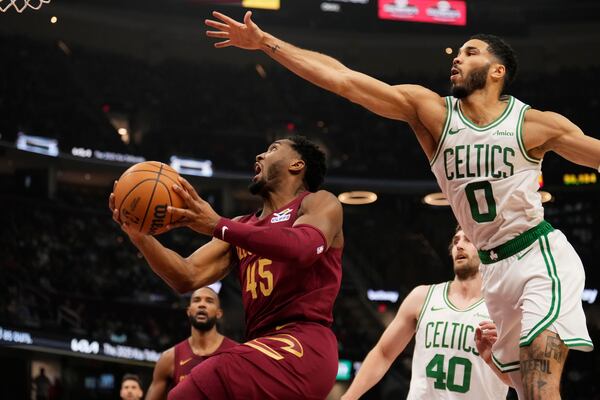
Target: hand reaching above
[{"x": 245, "y": 36}]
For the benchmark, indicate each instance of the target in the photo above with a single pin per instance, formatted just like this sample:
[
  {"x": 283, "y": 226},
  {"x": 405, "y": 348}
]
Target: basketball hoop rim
[{"x": 21, "y": 5}]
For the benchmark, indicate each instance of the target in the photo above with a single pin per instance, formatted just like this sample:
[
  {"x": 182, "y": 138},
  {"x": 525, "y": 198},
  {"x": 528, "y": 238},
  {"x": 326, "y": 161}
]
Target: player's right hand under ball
[{"x": 133, "y": 233}]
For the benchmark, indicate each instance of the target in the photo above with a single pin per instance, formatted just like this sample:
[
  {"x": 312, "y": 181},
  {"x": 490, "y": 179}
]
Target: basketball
[{"x": 143, "y": 193}]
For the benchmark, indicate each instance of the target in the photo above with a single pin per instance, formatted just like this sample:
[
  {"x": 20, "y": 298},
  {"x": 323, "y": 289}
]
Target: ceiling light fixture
[{"x": 357, "y": 197}]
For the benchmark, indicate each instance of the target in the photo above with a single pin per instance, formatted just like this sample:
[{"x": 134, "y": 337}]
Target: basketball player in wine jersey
[
  {"x": 453, "y": 338},
  {"x": 287, "y": 257},
  {"x": 176, "y": 363},
  {"x": 485, "y": 149}
]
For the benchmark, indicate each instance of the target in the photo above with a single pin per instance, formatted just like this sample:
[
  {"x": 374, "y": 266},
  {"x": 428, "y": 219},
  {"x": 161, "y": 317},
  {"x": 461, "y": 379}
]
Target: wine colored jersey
[
  {"x": 185, "y": 359},
  {"x": 275, "y": 293}
]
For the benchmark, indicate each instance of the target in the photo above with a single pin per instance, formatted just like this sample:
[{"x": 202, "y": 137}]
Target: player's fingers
[
  {"x": 177, "y": 224},
  {"x": 189, "y": 188},
  {"x": 184, "y": 194},
  {"x": 220, "y": 45},
  {"x": 487, "y": 325},
  {"x": 478, "y": 333},
  {"x": 248, "y": 18},
  {"x": 217, "y": 25},
  {"x": 115, "y": 216},
  {"x": 111, "y": 201},
  {"x": 217, "y": 34},
  {"x": 180, "y": 214},
  {"x": 228, "y": 20}
]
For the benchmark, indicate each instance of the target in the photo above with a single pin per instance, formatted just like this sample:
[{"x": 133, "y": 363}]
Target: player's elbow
[{"x": 182, "y": 285}]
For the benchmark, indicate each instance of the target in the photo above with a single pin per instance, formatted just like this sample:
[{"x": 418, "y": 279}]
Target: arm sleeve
[{"x": 302, "y": 244}]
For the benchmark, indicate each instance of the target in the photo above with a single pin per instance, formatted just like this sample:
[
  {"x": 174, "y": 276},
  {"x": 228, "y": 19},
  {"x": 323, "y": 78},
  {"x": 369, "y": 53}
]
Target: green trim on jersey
[
  {"x": 520, "y": 136},
  {"x": 556, "y": 300},
  {"x": 578, "y": 342},
  {"x": 508, "y": 367},
  {"x": 515, "y": 245},
  {"x": 444, "y": 131},
  {"x": 427, "y": 298},
  {"x": 507, "y": 110},
  {"x": 452, "y": 306}
]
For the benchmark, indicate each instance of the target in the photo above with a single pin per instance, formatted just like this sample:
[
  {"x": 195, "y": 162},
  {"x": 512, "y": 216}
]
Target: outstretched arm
[
  {"x": 392, "y": 343},
  {"x": 401, "y": 102},
  {"x": 162, "y": 376}
]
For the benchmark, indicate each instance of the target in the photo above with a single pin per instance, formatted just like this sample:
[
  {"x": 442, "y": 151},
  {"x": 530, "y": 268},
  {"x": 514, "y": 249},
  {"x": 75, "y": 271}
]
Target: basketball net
[{"x": 21, "y": 5}]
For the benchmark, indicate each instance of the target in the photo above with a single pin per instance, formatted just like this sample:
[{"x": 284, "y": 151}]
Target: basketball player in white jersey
[
  {"x": 444, "y": 319},
  {"x": 485, "y": 151}
]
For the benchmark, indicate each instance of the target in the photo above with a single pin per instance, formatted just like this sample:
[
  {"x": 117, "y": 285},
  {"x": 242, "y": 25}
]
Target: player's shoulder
[
  {"x": 165, "y": 364},
  {"x": 535, "y": 115},
  {"x": 168, "y": 355},
  {"x": 320, "y": 198},
  {"x": 419, "y": 293},
  {"x": 228, "y": 343}
]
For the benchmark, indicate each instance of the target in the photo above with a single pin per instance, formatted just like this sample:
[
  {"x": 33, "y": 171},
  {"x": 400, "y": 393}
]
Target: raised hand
[
  {"x": 245, "y": 36},
  {"x": 198, "y": 214},
  {"x": 485, "y": 337}
]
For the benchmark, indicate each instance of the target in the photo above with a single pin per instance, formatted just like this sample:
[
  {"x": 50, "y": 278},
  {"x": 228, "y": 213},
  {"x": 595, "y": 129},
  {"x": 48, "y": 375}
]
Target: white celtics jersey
[
  {"x": 446, "y": 364},
  {"x": 488, "y": 177}
]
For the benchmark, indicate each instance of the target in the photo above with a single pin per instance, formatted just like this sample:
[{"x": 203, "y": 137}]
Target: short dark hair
[
  {"x": 131, "y": 377},
  {"x": 314, "y": 158},
  {"x": 504, "y": 52}
]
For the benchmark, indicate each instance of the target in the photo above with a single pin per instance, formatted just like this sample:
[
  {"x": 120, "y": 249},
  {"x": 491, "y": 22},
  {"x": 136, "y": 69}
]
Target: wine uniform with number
[
  {"x": 532, "y": 278},
  {"x": 185, "y": 360},
  {"x": 446, "y": 364},
  {"x": 292, "y": 352}
]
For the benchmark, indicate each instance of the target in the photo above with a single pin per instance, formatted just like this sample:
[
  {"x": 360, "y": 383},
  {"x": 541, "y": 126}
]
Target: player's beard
[
  {"x": 257, "y": 187},
  {"x": 203, "y": 326},
  {"x": 475, "y": 80},
  {"x": 260, "y": 186},
  {"x": 467, "y": 271}
]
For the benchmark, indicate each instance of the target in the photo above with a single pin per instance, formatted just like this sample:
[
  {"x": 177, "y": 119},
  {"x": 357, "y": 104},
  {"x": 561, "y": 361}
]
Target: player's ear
[
  {"x": 219, "y": 313},
  {"x": 498, "y": 71},
  {"x": 296, "y": 166}
]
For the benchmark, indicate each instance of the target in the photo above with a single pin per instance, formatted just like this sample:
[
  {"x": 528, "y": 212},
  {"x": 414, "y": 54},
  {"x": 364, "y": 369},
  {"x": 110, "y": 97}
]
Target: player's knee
[{"x": 186, "y": 390}]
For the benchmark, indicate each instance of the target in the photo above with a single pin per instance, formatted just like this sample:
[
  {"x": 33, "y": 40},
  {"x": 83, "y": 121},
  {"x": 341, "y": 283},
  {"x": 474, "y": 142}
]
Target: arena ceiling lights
[{"x": 357, "y": 197}]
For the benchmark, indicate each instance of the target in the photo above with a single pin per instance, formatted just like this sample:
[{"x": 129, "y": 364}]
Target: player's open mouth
[
  {"x": 454, "y": 72},
  {"x": 257, "y": 170},
  {"x": 461, "y": 257}
]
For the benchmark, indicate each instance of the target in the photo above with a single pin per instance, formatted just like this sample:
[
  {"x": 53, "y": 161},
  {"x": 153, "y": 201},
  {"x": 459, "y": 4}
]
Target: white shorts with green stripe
[{"x": 536, "y": 289}]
